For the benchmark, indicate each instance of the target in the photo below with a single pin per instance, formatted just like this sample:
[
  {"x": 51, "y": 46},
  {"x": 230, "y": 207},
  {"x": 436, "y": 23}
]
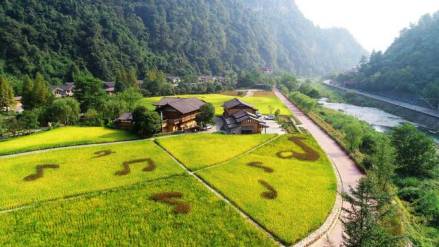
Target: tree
[
  {"x": 206, "y": 115},
  {"x": 383, "y": 164},
  {"x": 92, "y": 118},
  {"x": 353, "y": 135},
  {"x": 146, "y": 122},
  {"x": 6, "y": 94},
  {"x": 361, "y": 221},
  {"x": 29, "y": 119},
  {"x": 415, "y": 152},
  {"x": 131, "y": 97},
  {"x": 41, "y": 95},
  {"x": 27, "y": 97},
  {"x": 65, "y": 111},
  {"x": 88, "y": 91}
]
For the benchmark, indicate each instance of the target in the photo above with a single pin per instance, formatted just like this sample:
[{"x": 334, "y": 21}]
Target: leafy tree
[
  {"x": 415, "y": 152},
  {"x": 361, "y": 222},
  {"x": 206, "y": 115},
  {"x": 6, "y": 94},
  {"x": 92, "y": 118},
  {"x": 131, "y": 97},
  {"x": 353, "y": 135},
  {"x": 88, "y": 90},
  {"x": 146, "y": 122},
  {"x": 29, "y": 119},
  {"x": 28, "y": 94},
  {"x": 41, "y": 95},
  {"x": 111, "y": 107},
  {"x": 65, "y": 111}
]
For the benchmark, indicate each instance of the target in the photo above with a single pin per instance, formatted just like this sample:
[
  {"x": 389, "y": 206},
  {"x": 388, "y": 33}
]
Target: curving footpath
[{"x": 349, "y": 173}]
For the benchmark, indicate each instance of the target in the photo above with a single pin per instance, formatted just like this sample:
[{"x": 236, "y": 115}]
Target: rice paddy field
[
  {"x": 202, "y": 150},
  {"x": 80, "y": 170},
  {"x": 61, "y": 137},
  {"x": 128, "y": 217},
  {"x": 289, "y": 196},
  {"x": 137, "y": 193},
  {"x": 266, "y": 103}
]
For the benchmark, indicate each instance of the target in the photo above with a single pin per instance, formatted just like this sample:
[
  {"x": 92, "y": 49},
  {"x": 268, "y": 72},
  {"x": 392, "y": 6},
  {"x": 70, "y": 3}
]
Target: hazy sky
[{"x": 374, "y": 23}]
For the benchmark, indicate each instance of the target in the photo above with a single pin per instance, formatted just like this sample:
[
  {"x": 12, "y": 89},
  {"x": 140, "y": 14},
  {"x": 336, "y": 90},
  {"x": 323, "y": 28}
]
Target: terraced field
[{"x": 137, "y": 193}]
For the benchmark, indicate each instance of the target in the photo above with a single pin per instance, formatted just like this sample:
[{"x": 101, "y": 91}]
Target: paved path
[{"x": 349, "y": 173}]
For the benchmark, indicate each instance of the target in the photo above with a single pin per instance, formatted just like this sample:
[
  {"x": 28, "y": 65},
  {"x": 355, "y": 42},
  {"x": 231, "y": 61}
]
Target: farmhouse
[
  {"x": 65, "y": 90},
  {"x": 178, "y": 114},
  {"x": 240, "y": 118},
  {"x": 109, "y": 87},
  {"x": 125, "y": 121}
]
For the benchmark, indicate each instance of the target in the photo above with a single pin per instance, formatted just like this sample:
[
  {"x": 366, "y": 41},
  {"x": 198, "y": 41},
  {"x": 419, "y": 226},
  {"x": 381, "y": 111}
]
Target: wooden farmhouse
[
  {"x": 125, "y": 121},
  {"x": 65, "y": 90},
  {"x": 240, "y": 118},
  {"x": 178, "y": 114}
]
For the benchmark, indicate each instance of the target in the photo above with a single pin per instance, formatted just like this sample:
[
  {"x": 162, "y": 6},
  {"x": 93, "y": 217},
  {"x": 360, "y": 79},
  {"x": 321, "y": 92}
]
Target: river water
[{"x": 380, "y": 120}]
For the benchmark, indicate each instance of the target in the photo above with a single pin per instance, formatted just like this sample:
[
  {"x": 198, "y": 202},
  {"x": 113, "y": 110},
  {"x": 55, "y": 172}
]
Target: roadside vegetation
[
  {"x": 79, "y": 170},
  {"x": 202, "y": 150},
  {"x": 128, "y": 216},
  {"x": 291, "y": 196},
  {"x": 62, "y": 137},
  {"x": 398, "y": 202}
]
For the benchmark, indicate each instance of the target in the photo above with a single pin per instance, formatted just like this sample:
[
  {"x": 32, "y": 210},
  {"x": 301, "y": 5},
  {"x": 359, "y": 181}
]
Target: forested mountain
[
  {"x": 178, "y": 37},
  {"x": 409, "y": 69}
]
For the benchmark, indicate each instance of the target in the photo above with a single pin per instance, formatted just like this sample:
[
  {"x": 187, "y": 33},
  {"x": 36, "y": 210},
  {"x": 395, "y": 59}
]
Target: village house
[
  {"x": 174, "y": 80},
  {"x": 211, "y": 79},
  {"x": 65, "y": 90},
  {"x": 109, "y": 87},
  {"x": 125, "y": 121},
  {"x": 178, "y": 114},
  {"x": 241, "y": 118}
]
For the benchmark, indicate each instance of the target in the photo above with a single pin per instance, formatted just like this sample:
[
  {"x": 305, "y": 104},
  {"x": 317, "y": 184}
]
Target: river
[{"x": 380, "y": 120}]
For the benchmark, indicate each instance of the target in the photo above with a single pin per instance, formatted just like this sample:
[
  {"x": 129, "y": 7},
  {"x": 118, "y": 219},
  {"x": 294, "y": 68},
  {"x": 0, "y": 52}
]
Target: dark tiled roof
[
  {"x": 128, "y": 116},
  {"x": 109, "y": 84},
  {"x": 236, "y": 102},
  {"x": 183, "y": 105},
  {"x": 236, "y": 119}
]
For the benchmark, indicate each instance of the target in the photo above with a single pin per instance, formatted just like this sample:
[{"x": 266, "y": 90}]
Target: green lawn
[
  {"x": 60, "y": 137},
  {"x": 127, "y": 217},
  {"x": 202, "y": 150},
  {"x": 305, "y": 190},
  {"x": 262, "y": 103},
  {"x": 79, "y": 171}
]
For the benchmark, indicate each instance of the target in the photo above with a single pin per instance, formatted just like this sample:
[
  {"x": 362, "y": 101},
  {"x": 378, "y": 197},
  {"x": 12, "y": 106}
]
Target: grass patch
[
  {"x": 79, "y": 171},
  {"x": 202, "y": 150},
  {"x": 266, "y": 103},
  {"x": 302, "y": 193},
  {"x": 128, "y": 217},
  {"x": 61, "y": 137}
]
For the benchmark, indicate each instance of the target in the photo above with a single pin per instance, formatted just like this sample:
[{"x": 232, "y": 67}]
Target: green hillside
[{"x": 179, "y": 37}]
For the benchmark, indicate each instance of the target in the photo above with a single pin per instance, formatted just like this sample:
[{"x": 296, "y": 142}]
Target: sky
[{"x": 374, "y": 23}]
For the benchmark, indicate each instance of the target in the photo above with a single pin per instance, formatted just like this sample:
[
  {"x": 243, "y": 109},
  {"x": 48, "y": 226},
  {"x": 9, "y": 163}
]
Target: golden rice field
[
  {"x": 80, "y": 170},
  {"x": 304, "y": 190},
  {"x": 128, "y": 217},
  {"x": 135, "y": 193},
  {"x": 61, "y": 137},
  {"x": 201, "y": 150}
]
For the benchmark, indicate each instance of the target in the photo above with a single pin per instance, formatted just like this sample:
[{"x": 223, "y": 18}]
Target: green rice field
[{"x": 61, "y": 137}]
